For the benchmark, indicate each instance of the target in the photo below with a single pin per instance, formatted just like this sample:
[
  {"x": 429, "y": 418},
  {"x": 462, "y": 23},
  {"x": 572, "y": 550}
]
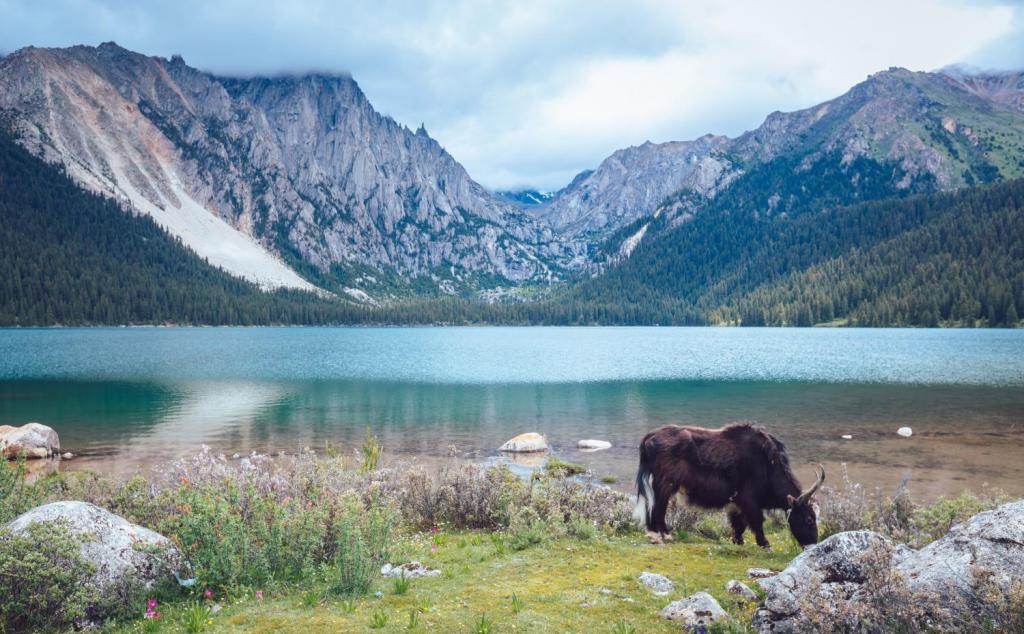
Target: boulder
[
  {"x": 697, "y": 610},
  {"x": 119, "y": 550},
  {"x": 992, "y": 541},
  {"x": 590, "y": 444},
  {"x": 410, "y": 570},
  {"x": 741, "y": 589},
  {"x": 947, "y": 574},
  {"x": 32, "y": 439},
  {"x": 661, "y": 585},
  {"x": 525, "y": 443}
]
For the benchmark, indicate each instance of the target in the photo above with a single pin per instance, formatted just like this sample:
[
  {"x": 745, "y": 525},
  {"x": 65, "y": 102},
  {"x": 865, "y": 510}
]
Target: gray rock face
[
  {"x": 660, "y": 585},
  {"x": 632, "y": 182},
  {"x": 120, "y": 550},
  {"x": 699, "y": 609},
  {"x": 301, "y": 164},
  {"x": 31, "y": 439},
  {"x": 946, "y": 571}
]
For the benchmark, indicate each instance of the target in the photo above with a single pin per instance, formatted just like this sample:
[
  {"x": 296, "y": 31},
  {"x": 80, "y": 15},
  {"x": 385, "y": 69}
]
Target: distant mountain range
[{"x": 296, "y": 182}]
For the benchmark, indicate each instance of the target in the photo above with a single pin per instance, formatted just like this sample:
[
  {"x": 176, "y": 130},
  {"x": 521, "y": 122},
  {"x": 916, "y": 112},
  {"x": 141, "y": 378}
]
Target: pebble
[{"x": 906, "y": 432}]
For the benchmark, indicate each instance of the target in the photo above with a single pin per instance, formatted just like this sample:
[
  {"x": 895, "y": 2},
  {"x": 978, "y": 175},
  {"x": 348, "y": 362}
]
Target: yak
[{"x": 740, "y": 467}]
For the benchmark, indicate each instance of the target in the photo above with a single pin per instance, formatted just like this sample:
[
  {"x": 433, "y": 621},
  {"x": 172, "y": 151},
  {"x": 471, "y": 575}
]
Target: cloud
[{"x": 530, "y": 92}]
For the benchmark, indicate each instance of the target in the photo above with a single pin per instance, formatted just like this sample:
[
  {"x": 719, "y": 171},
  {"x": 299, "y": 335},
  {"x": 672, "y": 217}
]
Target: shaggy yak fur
[{"x": 740, "y": 467}]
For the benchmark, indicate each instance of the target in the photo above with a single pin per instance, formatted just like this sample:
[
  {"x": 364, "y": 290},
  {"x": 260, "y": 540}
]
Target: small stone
[
  {"x": 661, "y": 585},
  {"x": 847, "y": 437},
  {"x": 760, "y": 573},
  {"x": 605, "y": 591},
  {"x": 411, "y": 570},
  {"x": 525, "y": 443},
  {"x": 68, "y": 455},
  {"x": 694, "y": 611},
  {"x": 215, "y": 608},
  {"x": 590, "y": 444},
  {"x": 742, "y": 589},
  {"x": 906, "y": 432}
]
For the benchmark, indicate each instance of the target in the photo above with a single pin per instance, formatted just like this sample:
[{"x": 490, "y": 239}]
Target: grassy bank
[
  {"x": 296, "y": 543},
  {"x": 564, "y": 584}
]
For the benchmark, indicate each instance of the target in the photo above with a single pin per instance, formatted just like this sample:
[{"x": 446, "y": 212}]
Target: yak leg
[
  {"x": 754, "y": 517},
  {"x": 657, "y": 530},
  {"x": 738, "y": 523}
]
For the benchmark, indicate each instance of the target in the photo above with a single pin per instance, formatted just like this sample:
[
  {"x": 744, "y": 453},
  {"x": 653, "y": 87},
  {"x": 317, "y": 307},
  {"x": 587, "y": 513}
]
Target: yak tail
[{"x": 644, "y": 487}]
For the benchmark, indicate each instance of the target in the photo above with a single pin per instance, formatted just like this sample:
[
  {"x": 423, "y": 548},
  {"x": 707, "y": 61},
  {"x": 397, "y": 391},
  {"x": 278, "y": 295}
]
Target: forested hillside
[
  {"x": 71, "y": 257},
  {"x": 952, "y": 259}
]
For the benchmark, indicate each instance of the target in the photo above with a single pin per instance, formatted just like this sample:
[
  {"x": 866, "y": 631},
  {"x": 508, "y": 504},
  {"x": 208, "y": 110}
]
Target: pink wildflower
[
  {"x": 151, "y": 612},
  {"x": 259, "y": 595},
  {"x": 433, "y": 548}
]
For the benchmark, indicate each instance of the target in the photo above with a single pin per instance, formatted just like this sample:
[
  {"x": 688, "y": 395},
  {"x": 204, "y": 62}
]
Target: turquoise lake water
[{"x": 126, "y": 398}]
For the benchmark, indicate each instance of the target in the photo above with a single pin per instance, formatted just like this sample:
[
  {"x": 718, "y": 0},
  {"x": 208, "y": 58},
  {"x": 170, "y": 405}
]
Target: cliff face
[{"x": 266, "y": 175}]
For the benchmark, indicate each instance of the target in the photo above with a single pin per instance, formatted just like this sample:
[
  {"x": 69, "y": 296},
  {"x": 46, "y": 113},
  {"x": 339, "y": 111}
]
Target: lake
[{"x": 124, "y": 399}]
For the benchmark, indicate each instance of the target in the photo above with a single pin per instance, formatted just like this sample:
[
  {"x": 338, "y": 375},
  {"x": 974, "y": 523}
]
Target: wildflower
[
  {"x": 151, "y": 612},
  {"x": 259, "y": 595},
  {"x": 378, "y": 594},
  {"x": 207, "y": 594},
  {"x": 433, "y": 548}
]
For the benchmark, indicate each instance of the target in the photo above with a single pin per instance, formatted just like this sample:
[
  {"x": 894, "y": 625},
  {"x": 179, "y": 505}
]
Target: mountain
[
  {"x": 525, "y": 197},
  {"x": 73, "y": 257},
  {"x": 897, "y": 132},
  {"x": 292, "y": 181}
]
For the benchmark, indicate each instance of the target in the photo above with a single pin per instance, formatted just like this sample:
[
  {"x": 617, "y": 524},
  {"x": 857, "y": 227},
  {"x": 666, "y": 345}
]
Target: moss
[{"x": 559, "y": 468}]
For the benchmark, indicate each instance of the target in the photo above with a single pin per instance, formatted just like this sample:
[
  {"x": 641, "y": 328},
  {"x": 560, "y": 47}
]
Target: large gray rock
[
  {"x": 31, "y": 439},
  {"x": 119, "y": 550},
  {"x": 946, "y": 573},
  {"x": 992, "y": 541},
  {"x": 698, "y": 609}
]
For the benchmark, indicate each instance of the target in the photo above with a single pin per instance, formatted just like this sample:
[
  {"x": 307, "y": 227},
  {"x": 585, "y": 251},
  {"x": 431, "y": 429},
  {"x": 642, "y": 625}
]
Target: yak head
[{"x": 802, "y": 513}]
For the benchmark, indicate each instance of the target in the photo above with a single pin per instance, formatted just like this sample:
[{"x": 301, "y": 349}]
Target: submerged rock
[
  {"x": 694, "y": 611},
  {"x": 120, "y": 551},
  {"x": 410, "y": 570},
  {"x": 906, "y": 432},
  {"x": 659, "y": 584},
  {"x": 31, "y": 439},
  {"x": 525, "y": 443},
  {"x": 593, "y": 445}
]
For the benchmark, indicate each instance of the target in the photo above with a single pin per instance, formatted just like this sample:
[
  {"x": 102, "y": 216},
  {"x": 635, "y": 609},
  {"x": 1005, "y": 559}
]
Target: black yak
[{"x": 740, "y": 467}]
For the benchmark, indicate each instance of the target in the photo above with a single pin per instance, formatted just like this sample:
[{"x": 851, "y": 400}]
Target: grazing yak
[{"x": 740, "y": 467}]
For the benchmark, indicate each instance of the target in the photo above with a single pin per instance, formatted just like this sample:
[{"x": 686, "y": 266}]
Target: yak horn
[{"x": 806, "y": 495}]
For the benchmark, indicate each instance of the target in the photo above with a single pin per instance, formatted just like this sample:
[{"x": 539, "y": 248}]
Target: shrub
[
  {"x": 42, "y": 579},
  {"x": 361, "y": 549},
  {"x": 17, "y": 495}
]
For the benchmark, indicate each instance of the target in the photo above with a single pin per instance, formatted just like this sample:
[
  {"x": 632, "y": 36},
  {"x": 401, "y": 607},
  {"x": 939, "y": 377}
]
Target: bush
[
  {"x": 850, "y": 506},
  {"x": 558, "y": 468},
  {"x": 362, "y": 546},
  {"x": 16, "y": 494},
  {"x": 42, "y": 578}
]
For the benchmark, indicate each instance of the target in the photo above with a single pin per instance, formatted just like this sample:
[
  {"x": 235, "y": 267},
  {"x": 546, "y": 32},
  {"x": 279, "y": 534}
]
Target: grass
[
  {"x": 559, "y": 468},
  {"x": 559, "y": 585}
]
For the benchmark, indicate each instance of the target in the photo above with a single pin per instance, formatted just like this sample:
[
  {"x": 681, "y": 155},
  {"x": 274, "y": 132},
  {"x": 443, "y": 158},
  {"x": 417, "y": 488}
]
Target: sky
[{"x": 527, "y": 93}]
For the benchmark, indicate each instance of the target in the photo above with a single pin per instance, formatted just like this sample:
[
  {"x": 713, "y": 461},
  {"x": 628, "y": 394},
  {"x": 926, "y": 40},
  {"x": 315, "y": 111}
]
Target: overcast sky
[{"x": 528, "y": 93}]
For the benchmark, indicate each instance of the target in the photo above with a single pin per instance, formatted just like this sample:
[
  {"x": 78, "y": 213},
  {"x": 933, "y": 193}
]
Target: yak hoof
[
  {"x": 766, "y": 546},
  {"x": 654, "y": 537},
  {"x": 738, "y": 541}
]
